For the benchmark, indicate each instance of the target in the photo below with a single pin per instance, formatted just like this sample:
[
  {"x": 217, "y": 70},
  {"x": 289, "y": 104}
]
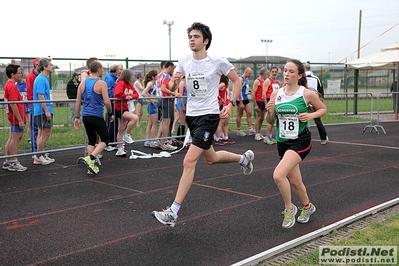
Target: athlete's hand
[
  {"x": 176, "y": 78},
  {"x": 177, "y": 75},
  {"x": 304, "y": 117},
  {"x": 21, "y": 124},
  {"x": 270, "y": 105},
  {"x": 226, "y": 111},
  {"x": 76, "y": 123},
  {"x": 48, "y": 115}
]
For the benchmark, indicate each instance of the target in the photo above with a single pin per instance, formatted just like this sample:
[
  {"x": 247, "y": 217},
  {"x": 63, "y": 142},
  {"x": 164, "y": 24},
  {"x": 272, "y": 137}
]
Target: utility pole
[{"x": 169, "y": 23}]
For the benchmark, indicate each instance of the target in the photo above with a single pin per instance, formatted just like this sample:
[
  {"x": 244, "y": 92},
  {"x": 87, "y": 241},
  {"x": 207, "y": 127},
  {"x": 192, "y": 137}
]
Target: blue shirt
[
  {"x": 110, "y": 79},
  {"x": 93, "y": 103},
  {"x": 41, "y": 86},
  {"x": 21, "y": 86},
  {"x": 244, "y": 89}
]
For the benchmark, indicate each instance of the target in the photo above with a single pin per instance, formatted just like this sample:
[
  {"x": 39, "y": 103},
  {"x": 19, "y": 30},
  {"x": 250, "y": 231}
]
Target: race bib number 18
[{"x": 289, "y": 126}]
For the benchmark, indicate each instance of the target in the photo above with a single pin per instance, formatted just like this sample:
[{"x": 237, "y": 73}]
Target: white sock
[{"x": 175, "y": 208}]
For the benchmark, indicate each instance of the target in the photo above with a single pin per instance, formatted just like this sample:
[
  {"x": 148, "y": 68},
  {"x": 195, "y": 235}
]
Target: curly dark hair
[{"x": 204, "y": 29}]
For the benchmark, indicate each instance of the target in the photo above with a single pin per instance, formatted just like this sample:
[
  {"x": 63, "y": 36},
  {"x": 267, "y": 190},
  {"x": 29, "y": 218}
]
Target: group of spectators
[
  {"x": 37, "y": 116},
  {"x": 125, "y": 110},
  {"x": 153, "y": 85}
]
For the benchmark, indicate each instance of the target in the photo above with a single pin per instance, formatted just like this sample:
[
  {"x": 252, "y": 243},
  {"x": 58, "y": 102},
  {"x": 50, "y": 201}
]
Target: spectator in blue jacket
[{"x": 110, "y": 79}]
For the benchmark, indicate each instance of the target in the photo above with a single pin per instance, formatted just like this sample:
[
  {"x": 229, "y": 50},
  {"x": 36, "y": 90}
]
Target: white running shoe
[
  {"x": 241, "y": 133},
  {"x": 289, "y": 217},
  {"x": 158, "y": 144},
  {"x": 165, "y": 217},
  {"x": 17, "y": 167},
  {"x": 168, "y": 147},
  {"x": 40, "y": 160},
  {"x": 248, "y": 168},
  {"x": 305, "y": 214},
  {"x": 259, "y": 137},
  {"x": 120, "y": 153},
  {"x": 251, "y": 132},
  {"x": 47, "y": 156},
  {"x": 128, "y": 139},
  {"x": 109, "y": 148},
  {"x": 6, "y": 164},
  {"x": 152, "y": 144},
  {"x": 324, "y": 141}
]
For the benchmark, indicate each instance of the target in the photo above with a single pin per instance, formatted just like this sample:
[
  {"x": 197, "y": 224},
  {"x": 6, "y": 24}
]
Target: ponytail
[{"x": 303, "y": 82}]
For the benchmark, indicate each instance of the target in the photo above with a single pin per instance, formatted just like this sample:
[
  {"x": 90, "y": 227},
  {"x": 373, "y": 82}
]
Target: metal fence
[
  {"x": 342, "y": 108},
  {"x": 368, "y": 80}
]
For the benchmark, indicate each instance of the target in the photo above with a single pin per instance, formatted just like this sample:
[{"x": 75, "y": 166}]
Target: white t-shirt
[
  {"x": 312, "y": 83},
  {"x": 136, "y": 86},
  {"x": 202, "y": 81}
]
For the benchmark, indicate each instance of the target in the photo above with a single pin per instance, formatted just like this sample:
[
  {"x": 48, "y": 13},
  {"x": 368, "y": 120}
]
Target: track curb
[{"x": 261, "y": 258}]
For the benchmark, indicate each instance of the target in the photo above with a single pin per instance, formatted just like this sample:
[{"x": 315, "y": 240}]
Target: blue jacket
[{"x": 110, "y": 79}]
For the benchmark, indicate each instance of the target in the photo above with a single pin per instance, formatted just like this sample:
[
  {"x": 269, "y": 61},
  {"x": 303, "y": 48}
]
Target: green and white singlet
[{"x": 289, "y": 127}]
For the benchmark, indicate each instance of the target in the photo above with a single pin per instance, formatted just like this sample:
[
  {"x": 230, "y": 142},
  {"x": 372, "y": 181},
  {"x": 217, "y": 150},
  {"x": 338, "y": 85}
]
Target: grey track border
[{"x": 258, "y": 259}]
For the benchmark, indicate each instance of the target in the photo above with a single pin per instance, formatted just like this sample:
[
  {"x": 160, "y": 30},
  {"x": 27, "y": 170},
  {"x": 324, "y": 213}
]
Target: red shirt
[
  {"x": 259, "y": 90},
  {"x": 163, "y": 79},
  {"x": 123, "y": 89},
  {"x": 11, "y": 93},
  {"x": 224, "y": 95},
  {"x": 30, "y": 79},
  {"x": 274, "y": 85}
]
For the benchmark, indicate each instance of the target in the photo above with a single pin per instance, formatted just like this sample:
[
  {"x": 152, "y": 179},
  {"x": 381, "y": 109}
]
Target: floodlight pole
[
  {"x": 169, "y": 23},
  {"x": 267, "y": 41}
]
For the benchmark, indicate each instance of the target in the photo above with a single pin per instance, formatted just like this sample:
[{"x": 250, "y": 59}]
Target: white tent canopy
[{"x": 388, "y": 58}]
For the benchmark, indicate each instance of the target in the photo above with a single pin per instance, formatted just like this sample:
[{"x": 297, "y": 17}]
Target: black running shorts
[{"x": 202, "y": 128}]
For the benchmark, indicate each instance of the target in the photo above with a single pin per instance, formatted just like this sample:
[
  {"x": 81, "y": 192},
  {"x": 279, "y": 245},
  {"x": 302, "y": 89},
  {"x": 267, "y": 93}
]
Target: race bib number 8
[
  {"x": 288, "y": 126},
  {"x": 199, "y": 87}
]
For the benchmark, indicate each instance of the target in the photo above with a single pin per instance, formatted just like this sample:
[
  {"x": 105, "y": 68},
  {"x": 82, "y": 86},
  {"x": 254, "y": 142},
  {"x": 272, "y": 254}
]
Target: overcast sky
[{"x": 316, "y": 31}]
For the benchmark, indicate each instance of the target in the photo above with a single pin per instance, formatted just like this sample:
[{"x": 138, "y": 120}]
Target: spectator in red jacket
[{"x": 125, "y": 90}]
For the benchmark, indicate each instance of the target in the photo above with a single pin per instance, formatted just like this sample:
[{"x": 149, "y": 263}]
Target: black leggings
[{"x": 96, "y": 125}]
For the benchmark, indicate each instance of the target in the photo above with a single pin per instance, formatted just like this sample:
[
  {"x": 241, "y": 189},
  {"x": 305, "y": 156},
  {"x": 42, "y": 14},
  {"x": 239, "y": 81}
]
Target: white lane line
[{"x": 363, "y": 144}]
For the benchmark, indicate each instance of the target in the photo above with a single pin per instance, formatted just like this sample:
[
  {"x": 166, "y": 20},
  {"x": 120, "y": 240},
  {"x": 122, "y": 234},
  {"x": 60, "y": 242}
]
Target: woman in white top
[{"x": 138, "y": 85}]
